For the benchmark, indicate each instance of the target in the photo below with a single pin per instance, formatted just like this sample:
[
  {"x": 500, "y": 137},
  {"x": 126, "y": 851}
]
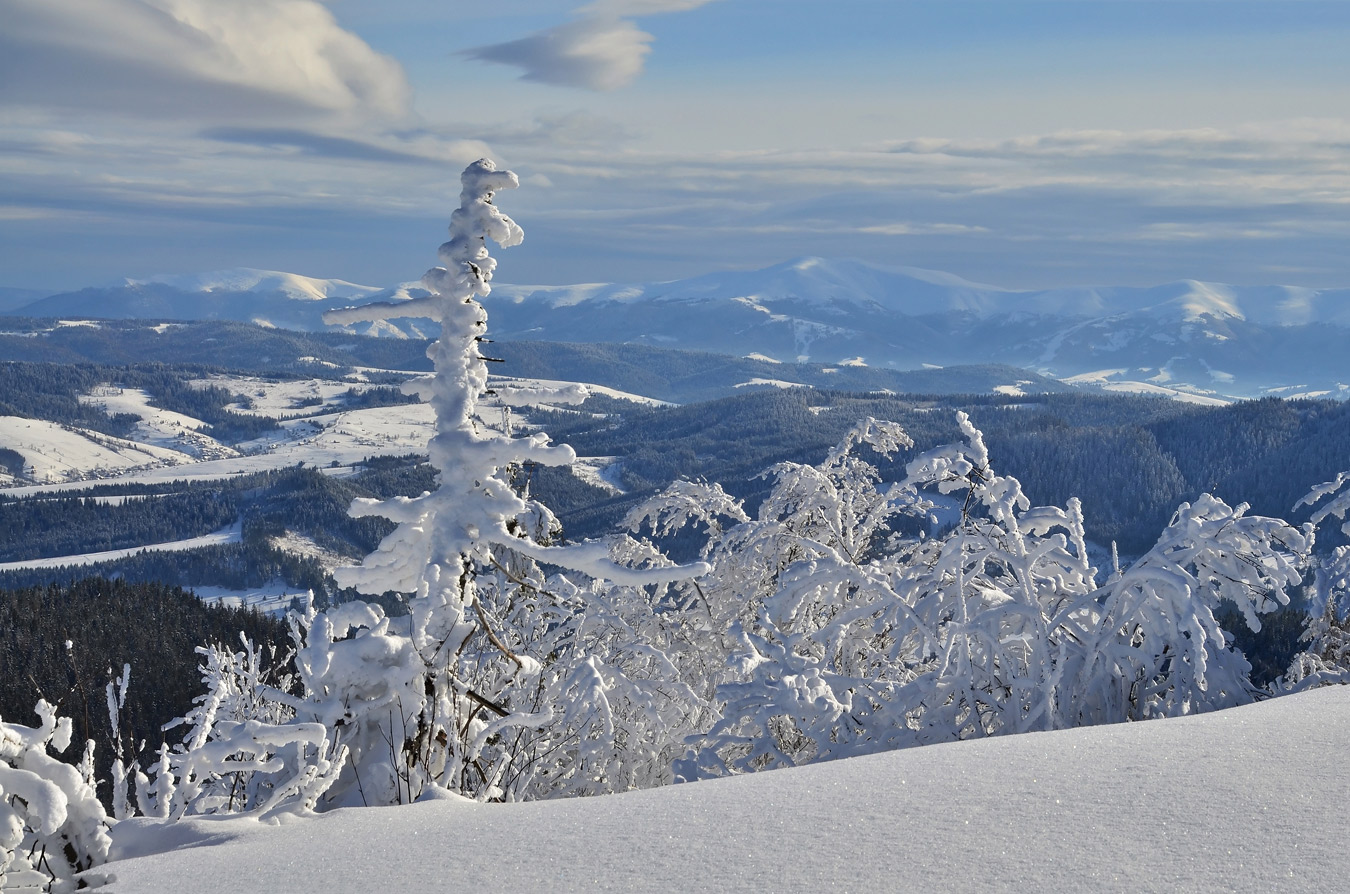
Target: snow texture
[{"x": 1207, "y": 803}]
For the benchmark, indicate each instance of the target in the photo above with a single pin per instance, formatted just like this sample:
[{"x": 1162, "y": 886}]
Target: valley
[{"x": 317, "y": 412}]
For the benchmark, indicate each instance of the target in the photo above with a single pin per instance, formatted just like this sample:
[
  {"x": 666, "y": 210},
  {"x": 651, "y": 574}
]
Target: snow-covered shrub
[
  {"x": 1326, "y": 659},
  {"x": 243, "y": 750},
  {"x": 52, "y": 826},
  {"x": 838, "y": 637},
  {"x": 1151, "y": 646}
]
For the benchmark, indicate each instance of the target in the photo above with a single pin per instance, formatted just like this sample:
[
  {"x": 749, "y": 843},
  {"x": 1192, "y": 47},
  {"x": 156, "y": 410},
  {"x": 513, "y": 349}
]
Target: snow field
[
  {"x": 160, "y": 428},
  {"x": 272, "y": 598},
  {"x": 279, "y": 399},
  {"x": 1248, "y": 799},
  {"x": 343, "y": 438},
  {"x": 56, "y": 453},
  {"x": 550, "y": 384}
]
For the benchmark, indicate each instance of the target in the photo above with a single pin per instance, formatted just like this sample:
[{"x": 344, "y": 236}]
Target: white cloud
[
  {"x": 603, "y": 50},
  {"x": 203, "y": 59},
  {"x": 594, "y": 53},
  {"x": 920, "y": 229},
  {"x": 640, "y": 7}
]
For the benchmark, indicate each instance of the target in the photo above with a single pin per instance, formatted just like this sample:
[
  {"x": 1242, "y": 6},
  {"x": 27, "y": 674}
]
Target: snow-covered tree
[
  {"x": 839, "y": 637},
  {"x": 52, "y": 826},
  {"x": 1152, "y": 646},
  {"x": 454, "y": 698},
  {"x": 1326, "y": 659}
]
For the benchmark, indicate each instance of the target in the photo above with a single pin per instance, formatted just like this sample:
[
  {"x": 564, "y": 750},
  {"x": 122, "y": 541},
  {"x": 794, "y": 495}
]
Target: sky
[{"x": 1023, "y": 144}]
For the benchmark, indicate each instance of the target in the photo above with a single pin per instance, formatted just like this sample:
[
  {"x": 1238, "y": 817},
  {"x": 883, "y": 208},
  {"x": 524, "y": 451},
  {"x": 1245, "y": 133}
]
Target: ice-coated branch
[{"x": 473, "y": 509}]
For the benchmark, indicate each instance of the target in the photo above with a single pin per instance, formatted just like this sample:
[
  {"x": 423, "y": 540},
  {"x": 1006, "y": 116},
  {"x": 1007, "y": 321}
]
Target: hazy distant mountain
[
  {"x": 266, "y": 297},
  {"x": 1205, "y": 338},
  {"x": 10, "y": 298}
]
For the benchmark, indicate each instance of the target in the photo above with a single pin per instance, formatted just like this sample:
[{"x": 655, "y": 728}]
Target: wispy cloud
[
  {"x": 592, "y": 53},
  {"x": 418, "y": 149},
  {"x": 203, "y": 59},
  {"x": 603, "y": 50}
]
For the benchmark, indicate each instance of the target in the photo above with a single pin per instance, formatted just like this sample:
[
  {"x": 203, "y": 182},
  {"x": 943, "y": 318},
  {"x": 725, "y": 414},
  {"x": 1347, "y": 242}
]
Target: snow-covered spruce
[{"x": 500, "y": 683}]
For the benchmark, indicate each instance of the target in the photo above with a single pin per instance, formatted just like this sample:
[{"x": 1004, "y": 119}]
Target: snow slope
[
  {"x": 329, "y": 440},
  {"x": 246, "y": 279},
  {"x": 159, "y": 427},
  {"x": 54, "y": 452},
  {"x": 1250, "y": 799}
]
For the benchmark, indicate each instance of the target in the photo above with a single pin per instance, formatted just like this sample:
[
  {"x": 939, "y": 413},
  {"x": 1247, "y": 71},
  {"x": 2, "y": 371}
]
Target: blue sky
[{"x": 1018, "y": 143}]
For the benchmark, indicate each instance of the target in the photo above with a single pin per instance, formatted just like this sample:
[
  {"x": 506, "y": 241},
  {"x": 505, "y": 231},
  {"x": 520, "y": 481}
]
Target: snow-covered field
[
  {"x": 279, "y": 399},
  {"x": 1117, "y": 381},
  {"x": 160, "y": 428},
  {"x": 168, "y": 447},
  {"x": 1249, "y": 799},
  {"x": 545, "y": 384},
  {"x": 600, "y": 471},
  {"x": 335, "y": 440},
  {"x": 274, "y": 597},
  {"x": 54, "y": 452}
]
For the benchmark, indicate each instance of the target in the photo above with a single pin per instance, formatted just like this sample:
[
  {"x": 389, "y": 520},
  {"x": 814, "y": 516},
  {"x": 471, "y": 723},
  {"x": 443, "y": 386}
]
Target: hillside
[{"x": 1249, "y": 799}]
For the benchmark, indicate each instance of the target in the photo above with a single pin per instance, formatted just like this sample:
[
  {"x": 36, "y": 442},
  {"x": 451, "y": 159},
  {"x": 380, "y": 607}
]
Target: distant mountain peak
[{"x": 247, "y": 279}]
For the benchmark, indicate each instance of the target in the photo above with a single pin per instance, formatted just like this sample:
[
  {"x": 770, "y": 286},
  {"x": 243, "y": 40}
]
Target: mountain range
[{"x": 1189, "y": 338}]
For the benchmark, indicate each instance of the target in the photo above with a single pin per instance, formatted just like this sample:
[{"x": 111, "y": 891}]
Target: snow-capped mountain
[
  {"x": 245, "y": 279},
  {"x": 267, "y": 297},
  {"x": 1189, "y": 336}
]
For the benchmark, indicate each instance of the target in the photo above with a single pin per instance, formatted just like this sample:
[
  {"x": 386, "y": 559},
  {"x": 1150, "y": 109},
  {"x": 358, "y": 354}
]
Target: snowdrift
[{"x": 1249, "y": 799}]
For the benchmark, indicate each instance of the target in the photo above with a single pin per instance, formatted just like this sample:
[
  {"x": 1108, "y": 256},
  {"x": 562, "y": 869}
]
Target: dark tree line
[
  {"x": 39, "y": 527},
  {"x": 1130, "y": 459},
  {"x": 64, "y": 641},
  {"x": 51, "y": 391}
]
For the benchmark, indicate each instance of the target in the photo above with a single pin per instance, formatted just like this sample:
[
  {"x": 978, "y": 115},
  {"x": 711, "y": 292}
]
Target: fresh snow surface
[
  {"x": 231, "y": 534},
  {"x": 57, "y": 453},
  {"x": 1249, "y": 799}
]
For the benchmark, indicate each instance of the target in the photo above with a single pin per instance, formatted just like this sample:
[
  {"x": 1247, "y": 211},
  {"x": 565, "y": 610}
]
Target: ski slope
[{"x": 1249, "y": 799}]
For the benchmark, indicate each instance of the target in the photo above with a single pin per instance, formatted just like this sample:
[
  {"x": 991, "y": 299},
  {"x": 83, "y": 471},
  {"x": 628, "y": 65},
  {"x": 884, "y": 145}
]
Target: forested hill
[
  {"x": 239, "y": 346},
  {"x": 671, "y": 375},
  {"x": 1131, "y": 460},
  {"x": 71, "y": 639}
]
